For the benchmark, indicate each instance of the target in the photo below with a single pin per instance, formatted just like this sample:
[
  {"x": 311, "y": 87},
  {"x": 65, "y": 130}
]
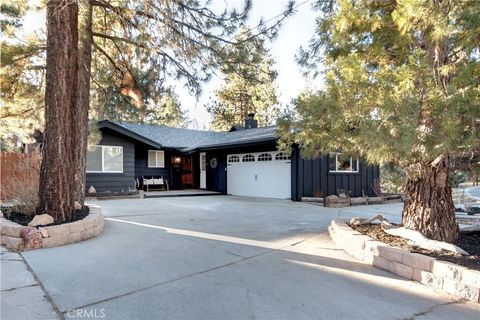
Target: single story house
[{"x": 244, "y": 161}]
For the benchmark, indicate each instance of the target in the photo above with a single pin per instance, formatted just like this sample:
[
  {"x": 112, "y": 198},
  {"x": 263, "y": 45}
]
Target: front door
[
  {"x": 187, "y": 172},
  {"x": 203, "y": 170}
]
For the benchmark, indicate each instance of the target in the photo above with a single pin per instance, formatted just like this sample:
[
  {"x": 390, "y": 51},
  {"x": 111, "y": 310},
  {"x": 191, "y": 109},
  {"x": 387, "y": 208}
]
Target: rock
[
  {"x": 44, "y": 232},
  {"x": 77, "y": 205},
  {"x": 32, "y": 239},
  {"x": 92, "y": 189},
  {"x": 41, "y": 220},
  {"x": 335, "y": 202},
  {"x": 342, "y": 196}
]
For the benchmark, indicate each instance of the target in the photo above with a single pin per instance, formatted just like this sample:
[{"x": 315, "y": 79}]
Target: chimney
[{"x": 250, "y": 122}]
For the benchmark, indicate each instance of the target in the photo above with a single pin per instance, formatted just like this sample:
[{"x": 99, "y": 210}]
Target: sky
[{"x": 296, "y": 31}]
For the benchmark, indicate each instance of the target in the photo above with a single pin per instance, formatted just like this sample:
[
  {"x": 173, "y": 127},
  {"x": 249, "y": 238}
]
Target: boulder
[
  {"x": 41, "y": 220},
  {"x": 32, "y": 239},
  {"x": 336, "y": 202},
  {"x": 332, "y": 197}
]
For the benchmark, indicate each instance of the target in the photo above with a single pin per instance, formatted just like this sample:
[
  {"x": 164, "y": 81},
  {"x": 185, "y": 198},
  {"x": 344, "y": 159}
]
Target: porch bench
[{"x": 161, "y": 183}]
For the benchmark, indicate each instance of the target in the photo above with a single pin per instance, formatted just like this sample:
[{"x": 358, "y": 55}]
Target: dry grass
[{"x": 20, "y": 181}]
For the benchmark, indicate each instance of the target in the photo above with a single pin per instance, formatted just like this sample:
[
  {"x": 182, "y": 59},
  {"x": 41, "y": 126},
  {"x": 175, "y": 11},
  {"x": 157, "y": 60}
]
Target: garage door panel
[{"x": 270, "y": 179}]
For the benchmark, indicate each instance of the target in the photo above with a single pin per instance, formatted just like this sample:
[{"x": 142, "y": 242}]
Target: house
[{"x": 244, "y": 161}]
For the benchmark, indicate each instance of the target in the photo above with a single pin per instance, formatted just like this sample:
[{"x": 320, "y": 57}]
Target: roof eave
[
  {"x": 234, "y": 145},
  {"x": 115, "y": 127}
]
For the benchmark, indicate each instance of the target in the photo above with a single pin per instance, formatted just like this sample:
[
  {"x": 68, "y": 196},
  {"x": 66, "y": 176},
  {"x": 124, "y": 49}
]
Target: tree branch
[{"x": 115, "y": 38}]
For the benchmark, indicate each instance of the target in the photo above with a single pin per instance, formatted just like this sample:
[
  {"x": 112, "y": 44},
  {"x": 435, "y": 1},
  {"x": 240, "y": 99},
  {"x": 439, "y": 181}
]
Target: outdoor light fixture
[{"x": 177, "y": 160}]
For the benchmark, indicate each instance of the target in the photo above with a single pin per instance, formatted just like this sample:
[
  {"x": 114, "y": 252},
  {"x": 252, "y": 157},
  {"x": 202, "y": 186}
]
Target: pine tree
[
  {"x": 248, "y": 86},
  {"x": 402, "y": 87},
  {"x": 22, "y": 72},
  {"x": 59, "y": 156}
]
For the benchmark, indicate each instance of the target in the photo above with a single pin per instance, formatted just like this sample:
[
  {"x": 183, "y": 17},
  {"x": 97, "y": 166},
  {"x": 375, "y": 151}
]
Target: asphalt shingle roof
[{"x": 188, "y": 139}]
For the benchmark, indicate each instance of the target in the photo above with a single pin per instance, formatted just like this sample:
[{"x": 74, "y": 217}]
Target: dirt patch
[
  {"x": 24, "y": 219},
  {"x": 469, "y": 242}
]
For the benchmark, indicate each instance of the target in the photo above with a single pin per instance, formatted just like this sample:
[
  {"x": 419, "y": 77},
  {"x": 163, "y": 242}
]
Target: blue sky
[{"x": 295, "y": 32}]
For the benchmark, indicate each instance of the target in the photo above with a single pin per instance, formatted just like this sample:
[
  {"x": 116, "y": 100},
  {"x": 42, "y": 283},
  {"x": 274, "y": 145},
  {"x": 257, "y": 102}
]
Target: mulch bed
[
  {"x": 24, "y": 219},
  {"x": 469, "y": 242}
]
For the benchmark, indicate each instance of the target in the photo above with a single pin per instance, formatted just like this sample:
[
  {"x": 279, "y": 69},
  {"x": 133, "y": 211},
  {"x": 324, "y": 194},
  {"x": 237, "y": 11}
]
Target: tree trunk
[
  {"x": 83, "y": 95},
  {"x": 57, "y": 176},
  {"x": 429, "y": 206}
]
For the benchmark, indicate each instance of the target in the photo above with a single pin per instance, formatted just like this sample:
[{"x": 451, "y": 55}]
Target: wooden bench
[{"x": 155, "y": 182}]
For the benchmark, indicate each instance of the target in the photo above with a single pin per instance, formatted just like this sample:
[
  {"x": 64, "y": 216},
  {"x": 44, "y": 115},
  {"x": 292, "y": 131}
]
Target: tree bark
[
  {"x": 57, "y": 176},
  {"x": 83, "y": 95},
  {"x": 429, "y": 206}
]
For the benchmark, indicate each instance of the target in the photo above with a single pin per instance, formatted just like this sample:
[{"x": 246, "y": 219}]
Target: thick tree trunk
[
  {"x": 57, "y": 176},
  {"x": 429, "y": 206},
  {"x": 83, "y": 95}
]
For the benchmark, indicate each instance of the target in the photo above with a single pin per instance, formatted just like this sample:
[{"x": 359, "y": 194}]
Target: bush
[
  {"x": 20, "y": 181},
  {"x": 392, "y": 179},
  {"x": 456, "y": 177}
]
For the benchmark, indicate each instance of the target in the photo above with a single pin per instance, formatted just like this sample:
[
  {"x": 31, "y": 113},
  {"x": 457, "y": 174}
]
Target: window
[
  {"x": 248, "y": 158},
  {"x": 233, "y": 159},
  {"x": 339, "y": 162},
  {"x": 282, "y": 156},
  {"x": 105, "y": 159},
  {"x": 265, "y": 157},
  {"x": 156, "y": 159}
]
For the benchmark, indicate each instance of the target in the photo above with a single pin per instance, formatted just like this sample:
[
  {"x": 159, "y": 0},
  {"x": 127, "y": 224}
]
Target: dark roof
[
  {"x": 235, "y": 138},
  {"x": 188, "y": 139}
]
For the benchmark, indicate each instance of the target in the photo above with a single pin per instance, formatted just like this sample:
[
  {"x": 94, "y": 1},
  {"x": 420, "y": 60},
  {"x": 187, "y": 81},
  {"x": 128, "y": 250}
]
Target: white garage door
[{"x": 263, "y": 174}]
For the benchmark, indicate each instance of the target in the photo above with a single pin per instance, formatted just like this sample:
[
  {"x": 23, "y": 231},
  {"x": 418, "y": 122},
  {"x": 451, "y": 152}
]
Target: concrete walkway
[
  {"x": 22, "y": 297},
  {"x": 228, "y": 257}
]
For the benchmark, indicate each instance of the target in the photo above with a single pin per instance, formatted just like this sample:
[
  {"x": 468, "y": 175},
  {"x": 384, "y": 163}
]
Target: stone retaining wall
[
  {"x": 58, "y": 235},
  {"x": 449, "y": 277}
]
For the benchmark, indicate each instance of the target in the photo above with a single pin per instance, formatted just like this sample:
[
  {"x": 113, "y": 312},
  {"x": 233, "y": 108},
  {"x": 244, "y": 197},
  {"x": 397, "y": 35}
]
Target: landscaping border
[
  {"x": 58, "y": 235},
  {"x": 451, "y": 278}
]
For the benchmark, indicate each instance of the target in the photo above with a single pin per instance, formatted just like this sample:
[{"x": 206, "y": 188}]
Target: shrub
[{"x": 20, "y": 181}]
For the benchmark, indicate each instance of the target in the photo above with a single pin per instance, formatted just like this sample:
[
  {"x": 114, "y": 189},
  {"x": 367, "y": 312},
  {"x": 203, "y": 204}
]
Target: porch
[{"x": 180, "y": 193}]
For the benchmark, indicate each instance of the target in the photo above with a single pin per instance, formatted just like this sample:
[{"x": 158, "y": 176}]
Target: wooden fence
[{"x": 18, "y": 171}]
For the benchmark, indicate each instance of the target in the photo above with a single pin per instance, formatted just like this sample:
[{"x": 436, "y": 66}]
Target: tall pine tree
[
  {"x": 248, "y": 86},
  {"x": 402, "y": 87}
]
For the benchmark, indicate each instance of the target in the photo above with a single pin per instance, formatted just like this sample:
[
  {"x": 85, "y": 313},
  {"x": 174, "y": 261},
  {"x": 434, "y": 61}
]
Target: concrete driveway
[{"x": 223, "y": 257}]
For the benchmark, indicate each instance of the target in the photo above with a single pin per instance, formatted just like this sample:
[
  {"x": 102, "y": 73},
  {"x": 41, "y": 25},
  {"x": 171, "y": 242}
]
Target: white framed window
[
  {"x": 282, "y": 156},
  {"x": 248, "y": 158},
  {"x": 265, "y": 157},
  {"x": 339, "y": 162},
  {"x": 107, "y": 159},
  {"x": 156, "y": 159},
  {"x": 232, "y": 159}
]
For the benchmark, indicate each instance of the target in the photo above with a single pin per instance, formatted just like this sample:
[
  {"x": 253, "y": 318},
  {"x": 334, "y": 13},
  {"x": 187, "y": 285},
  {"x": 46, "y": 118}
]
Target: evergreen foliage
[{"x": 248, "y": 86}]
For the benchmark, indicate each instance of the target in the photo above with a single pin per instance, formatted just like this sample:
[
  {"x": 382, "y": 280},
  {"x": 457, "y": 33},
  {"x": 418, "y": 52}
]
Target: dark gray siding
[
  {"x": 141, "y": 164},
  {"x": 312, "y": 176},
  {"x": 115, "y": 182}
]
